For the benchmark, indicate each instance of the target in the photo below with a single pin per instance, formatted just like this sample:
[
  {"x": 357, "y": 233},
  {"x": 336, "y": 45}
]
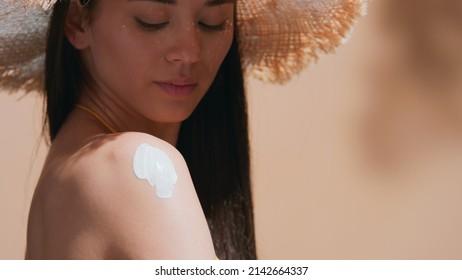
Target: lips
[{"x": 177, "y": 88}]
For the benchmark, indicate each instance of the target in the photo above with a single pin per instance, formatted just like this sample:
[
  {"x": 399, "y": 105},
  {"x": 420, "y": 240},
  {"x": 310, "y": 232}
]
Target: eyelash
[{"x": 159, "y": 26}]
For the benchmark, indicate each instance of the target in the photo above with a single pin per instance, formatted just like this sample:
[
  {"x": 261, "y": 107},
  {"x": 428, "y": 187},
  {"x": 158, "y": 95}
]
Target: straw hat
[{"x": 278, "y": 38}]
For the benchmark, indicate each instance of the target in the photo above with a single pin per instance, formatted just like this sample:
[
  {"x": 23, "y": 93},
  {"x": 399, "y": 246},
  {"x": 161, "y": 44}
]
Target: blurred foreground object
[{"x": 416, "y": 82}]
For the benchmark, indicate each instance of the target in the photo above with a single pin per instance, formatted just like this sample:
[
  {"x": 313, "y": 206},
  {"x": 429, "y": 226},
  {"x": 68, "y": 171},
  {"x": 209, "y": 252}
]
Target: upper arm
[{"x": 127, "y": 215}]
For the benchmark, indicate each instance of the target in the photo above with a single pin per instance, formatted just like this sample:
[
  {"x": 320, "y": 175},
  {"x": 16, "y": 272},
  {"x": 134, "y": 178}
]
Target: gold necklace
[{"x": 94, "y": 114}]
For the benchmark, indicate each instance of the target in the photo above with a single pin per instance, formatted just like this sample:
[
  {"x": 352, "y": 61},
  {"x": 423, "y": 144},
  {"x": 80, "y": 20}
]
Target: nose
[{"x": 186, "y": 46}]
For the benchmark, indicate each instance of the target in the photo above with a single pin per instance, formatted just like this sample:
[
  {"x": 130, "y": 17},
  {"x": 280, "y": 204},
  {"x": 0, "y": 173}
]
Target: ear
[{"x": 77, "y": 25}]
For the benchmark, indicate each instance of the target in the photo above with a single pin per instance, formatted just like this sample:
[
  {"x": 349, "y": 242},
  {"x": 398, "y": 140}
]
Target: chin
[{"x": 173, "y": 117}]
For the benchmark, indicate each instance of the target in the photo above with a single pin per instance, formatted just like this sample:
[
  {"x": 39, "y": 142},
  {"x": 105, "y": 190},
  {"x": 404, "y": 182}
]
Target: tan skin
[{"x": 147, "y": 79}]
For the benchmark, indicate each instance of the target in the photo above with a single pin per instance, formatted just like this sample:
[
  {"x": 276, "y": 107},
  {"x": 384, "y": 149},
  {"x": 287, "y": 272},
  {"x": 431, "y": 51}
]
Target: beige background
[{"x": 359, "y": 157}]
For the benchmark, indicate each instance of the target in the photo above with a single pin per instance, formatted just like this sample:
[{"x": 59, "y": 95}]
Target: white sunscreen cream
[{"x": 155, "y": 166}]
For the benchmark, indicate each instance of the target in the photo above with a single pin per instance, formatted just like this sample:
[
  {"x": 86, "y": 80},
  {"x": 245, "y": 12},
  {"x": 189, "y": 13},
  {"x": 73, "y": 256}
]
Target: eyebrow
[{"x": 209, "y": 3}]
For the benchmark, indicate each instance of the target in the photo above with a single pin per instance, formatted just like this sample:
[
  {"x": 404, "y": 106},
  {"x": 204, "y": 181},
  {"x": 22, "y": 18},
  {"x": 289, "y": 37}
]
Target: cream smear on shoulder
[{"x": 155, "y": 166}]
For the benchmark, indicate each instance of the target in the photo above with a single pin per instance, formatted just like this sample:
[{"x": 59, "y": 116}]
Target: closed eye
[
  {"x": 158, "y": 26},
  {"x": 150, "y": 26},
  {"x": 212, "y": 28}
]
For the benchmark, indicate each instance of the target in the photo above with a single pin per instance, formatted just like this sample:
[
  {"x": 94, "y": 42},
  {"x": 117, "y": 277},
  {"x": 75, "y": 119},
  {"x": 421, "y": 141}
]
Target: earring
[{"x": 84, "y": 2}]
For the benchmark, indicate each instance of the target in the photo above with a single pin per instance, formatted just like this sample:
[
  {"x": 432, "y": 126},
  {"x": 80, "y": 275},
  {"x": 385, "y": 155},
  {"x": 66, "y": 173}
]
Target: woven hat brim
[
  {"x": 22, "y": 46},
  {"x": 277, "y": 38}
]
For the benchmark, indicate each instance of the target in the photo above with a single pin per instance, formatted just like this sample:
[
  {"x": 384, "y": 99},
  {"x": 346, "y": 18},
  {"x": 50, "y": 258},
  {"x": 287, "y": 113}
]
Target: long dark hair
[{"x": 213, "y": 140}]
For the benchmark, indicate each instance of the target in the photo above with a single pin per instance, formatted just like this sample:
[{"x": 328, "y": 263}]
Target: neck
[
  {"x": 167, "y": 132},
  {"x": 121, "y": 119}
]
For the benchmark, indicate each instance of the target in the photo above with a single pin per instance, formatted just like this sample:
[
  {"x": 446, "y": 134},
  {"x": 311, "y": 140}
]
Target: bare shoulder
[{"x": 130, "y": 196}]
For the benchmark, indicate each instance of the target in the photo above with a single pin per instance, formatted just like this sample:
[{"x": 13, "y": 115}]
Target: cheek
[
  {"x": 216, "y": 50},
  {"x": 122, "y": 55}
]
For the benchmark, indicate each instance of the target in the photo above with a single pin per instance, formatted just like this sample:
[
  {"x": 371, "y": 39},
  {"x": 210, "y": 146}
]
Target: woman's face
[{"x": 157, "y": 58}]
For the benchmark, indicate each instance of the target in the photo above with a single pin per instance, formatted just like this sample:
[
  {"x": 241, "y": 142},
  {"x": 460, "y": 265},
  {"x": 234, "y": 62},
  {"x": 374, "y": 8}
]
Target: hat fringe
[{"x": 274, "y": 53}]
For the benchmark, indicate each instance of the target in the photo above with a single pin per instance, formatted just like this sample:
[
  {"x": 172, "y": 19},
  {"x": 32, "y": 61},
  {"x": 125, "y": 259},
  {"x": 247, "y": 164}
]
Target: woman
[
  {"x": 146, "y": 111},
  {"x": 131, "y": 67}
]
